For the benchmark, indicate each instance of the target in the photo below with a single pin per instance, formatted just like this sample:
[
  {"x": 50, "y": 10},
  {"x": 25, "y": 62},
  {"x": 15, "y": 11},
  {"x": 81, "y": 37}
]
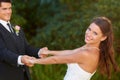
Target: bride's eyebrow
[
  {"x": 95, "y": 33},
  {"x": 89, "y": 28}
]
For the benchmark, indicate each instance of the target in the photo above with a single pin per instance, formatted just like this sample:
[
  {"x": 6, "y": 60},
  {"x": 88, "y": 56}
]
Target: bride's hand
[{"x": 44, "y": 52}]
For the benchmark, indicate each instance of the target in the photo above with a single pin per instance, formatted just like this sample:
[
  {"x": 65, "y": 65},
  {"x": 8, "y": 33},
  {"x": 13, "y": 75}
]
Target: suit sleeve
[
  {"x": 6, "y": 55},
  {"x": 30, "y": 50}
]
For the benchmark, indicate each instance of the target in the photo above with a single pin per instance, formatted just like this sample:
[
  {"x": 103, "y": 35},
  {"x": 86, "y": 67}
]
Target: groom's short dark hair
[{"x": 5, "y": 1}]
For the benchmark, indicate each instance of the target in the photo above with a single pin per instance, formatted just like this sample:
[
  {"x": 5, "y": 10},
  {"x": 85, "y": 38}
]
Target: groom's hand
[{"x": 27, "y": 60}]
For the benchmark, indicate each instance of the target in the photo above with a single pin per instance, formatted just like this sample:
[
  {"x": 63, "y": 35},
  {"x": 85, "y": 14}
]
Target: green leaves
[{"x": 61, "y": 24}]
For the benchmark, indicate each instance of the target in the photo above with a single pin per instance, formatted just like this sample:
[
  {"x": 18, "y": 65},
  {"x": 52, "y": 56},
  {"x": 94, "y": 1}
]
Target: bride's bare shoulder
[{"x": 89, "y": 51}]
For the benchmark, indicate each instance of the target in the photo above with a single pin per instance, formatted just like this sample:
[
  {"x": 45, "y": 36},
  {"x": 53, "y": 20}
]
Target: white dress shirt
[{"x": 4, "y": 23}]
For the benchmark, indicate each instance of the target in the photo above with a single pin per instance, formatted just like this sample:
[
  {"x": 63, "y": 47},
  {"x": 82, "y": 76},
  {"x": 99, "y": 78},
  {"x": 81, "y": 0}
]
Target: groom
[{"x": 15, "y": 52}]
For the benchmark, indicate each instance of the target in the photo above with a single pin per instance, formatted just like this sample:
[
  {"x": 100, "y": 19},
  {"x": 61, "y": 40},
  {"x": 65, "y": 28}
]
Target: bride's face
[{"x": 93, "y": 35}]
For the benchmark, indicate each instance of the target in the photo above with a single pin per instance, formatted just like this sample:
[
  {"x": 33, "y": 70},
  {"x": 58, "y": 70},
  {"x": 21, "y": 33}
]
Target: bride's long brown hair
[{"x": 106, "y": 61}]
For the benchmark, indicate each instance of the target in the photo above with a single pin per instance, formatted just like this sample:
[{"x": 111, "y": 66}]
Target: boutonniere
[{"x": 17, "y": 29}]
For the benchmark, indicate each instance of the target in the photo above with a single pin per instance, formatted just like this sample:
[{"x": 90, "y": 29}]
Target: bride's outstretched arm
[
  {"x": 77, "y": 57},
  {"x": 53, "y": 60},
  {"x": 60, "y": 52}
]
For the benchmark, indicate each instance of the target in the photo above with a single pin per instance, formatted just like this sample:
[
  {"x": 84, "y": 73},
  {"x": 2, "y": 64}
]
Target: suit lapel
[
  {"x": 7, "y": 36},
  {"x": 13, "y": 42}
]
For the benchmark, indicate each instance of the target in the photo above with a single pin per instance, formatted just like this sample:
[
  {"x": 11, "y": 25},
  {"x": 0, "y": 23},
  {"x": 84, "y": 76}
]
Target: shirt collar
[{"x": 4, "y": 22}]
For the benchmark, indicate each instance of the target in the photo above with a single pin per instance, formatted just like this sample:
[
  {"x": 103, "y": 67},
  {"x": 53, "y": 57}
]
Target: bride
[{"x": 83, "y": 62}]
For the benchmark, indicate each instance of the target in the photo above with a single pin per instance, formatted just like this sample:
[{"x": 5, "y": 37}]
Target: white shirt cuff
[
  {"x": 39, "y": 52},
  {"x": 19, "y": 61}
]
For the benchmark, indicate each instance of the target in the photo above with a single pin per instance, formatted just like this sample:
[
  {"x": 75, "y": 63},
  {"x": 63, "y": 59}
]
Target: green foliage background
[{"x": 59, "y": 25}]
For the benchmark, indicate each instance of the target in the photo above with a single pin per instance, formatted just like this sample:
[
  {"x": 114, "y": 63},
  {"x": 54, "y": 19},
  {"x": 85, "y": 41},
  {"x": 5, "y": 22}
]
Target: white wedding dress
[{"x": 75, "y": 72}]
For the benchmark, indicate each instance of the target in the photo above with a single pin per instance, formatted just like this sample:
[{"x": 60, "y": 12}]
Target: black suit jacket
[{"x": 11, "y": 46}]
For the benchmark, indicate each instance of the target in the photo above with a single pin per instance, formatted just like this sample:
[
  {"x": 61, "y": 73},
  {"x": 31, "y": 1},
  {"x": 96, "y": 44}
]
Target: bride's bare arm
[
  {"x": 62, "y": 52},
  {"x": 78, "y": 57}
]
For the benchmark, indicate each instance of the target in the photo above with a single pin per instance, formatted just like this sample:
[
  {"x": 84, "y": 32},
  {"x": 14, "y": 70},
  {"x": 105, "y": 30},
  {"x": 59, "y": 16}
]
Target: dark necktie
[{"x": 10, "y": 28}]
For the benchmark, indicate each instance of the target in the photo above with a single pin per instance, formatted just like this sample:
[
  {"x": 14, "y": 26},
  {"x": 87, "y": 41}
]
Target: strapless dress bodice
[{"x": 75, "y": 72}]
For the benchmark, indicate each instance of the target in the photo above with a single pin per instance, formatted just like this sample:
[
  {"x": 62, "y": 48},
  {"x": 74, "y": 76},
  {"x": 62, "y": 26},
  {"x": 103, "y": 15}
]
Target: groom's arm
[
  {"x": 7, "y": 55},
  {"x": 29, "y": 50}
]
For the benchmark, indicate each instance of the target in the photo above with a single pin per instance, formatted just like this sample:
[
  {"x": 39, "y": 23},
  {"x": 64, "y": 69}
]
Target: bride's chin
[{"x": 86, "y": 41}]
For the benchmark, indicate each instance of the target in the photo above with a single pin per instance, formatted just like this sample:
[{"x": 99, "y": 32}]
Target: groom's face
[{"x": 5, "y": 11}]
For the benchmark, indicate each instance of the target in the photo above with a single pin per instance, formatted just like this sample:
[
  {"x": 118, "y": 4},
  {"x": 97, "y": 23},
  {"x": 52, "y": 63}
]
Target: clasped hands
[{"x": 30, "y": 61}]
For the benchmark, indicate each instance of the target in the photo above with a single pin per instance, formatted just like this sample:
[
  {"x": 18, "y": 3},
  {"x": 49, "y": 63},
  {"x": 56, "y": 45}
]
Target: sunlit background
[{"x": 60, "y": 24}]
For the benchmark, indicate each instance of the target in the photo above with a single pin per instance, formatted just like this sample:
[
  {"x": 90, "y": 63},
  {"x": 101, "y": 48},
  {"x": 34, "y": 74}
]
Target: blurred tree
[
  {"x": 60, "y": 24},
  {"x": 33, "y": 14}
]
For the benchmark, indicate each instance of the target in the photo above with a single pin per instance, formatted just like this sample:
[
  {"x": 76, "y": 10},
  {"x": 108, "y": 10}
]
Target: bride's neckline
[{"x": 85, "y": 47}]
